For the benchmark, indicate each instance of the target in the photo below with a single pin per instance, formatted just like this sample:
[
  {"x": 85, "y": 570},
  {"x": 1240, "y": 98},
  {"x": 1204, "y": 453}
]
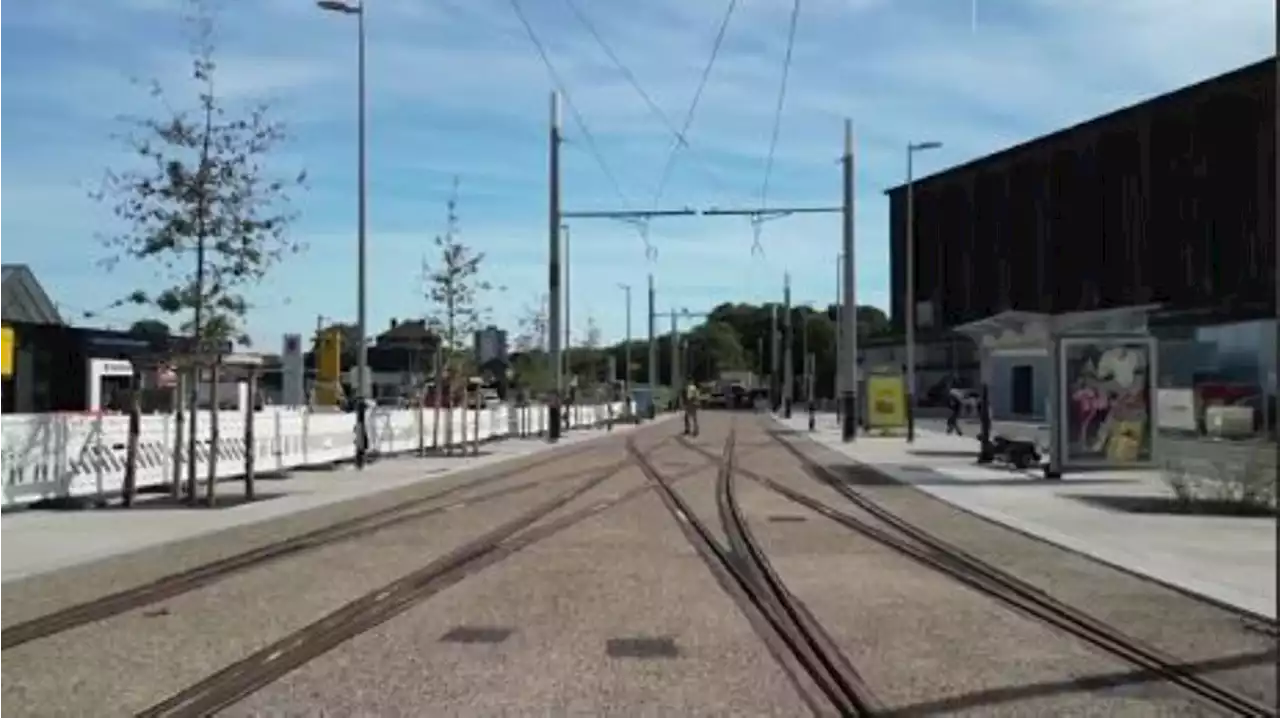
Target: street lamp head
[
  {"x": 338, "y": 6},
  {"x": 922, "y": 146}
]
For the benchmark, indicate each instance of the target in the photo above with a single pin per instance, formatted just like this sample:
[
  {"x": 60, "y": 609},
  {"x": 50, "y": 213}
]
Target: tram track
[
  {"x": 946, "y": 558},
  {"x": 264, "y": 666},
  {"x": 359, "y": 526},
  {"x": 796, "y": 638}
]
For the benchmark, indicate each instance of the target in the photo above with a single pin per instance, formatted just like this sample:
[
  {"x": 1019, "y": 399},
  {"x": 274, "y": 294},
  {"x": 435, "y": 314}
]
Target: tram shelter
[{"x": 1080, "y": 385}]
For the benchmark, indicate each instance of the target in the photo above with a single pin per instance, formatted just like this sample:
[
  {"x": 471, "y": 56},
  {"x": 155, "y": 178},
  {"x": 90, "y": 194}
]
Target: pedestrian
[
  {"x": 691, "y": 409},
  {"x": 954, "y": 403}
]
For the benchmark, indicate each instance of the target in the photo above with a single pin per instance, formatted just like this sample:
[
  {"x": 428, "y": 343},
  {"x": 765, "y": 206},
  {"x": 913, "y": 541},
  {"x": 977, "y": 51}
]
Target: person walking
[
  {"x": 955, "y": 402},
  {"x": 691, "y": 409}
]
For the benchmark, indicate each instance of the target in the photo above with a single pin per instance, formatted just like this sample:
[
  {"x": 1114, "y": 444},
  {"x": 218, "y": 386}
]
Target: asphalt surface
[{"x": 617, "y": 614}]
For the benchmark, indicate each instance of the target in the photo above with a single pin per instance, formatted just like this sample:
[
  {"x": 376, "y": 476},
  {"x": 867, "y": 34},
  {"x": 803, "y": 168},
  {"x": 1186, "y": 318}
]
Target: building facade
[{"x": 1169, "y": 201}]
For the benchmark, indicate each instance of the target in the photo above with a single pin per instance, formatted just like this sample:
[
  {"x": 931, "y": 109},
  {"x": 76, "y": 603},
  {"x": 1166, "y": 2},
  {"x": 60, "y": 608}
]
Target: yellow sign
[
  {"x": 886, "y": 402},
  {"x": 6, "y": 352},
  {"x": 328, "y": 368}
]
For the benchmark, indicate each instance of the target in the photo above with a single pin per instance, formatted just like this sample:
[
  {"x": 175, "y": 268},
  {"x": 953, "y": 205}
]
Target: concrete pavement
[{"x": 1229, "y": 559}]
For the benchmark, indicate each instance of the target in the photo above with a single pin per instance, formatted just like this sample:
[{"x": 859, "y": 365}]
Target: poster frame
[{"x": 1064, "y": 343}]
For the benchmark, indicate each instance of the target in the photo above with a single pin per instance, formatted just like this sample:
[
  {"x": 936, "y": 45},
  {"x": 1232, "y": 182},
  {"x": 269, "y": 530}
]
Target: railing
[{"x": 59, "y": 456}]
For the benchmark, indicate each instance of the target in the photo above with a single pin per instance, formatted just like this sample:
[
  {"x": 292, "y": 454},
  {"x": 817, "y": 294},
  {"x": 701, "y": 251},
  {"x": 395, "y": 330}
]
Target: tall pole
[
  {"x": 775, "y": 393},
  {"x": 838, "y": 381},
  {"x": 362, "y": 359},
  {"x": 626, "y": 348},
  {"x": 653, "y": 352},
  {"x": 788, "y": 366},
  {"x": 553, "y": 277},
  {"x": 850, "y": 358},
  {"x": 909, "y": 309},
  {"x": 568, "y": 340},
  {"x": 675, "y": 354}
]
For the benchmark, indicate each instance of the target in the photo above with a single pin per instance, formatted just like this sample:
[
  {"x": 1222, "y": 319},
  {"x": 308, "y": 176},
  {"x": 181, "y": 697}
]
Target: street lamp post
[
  {"x": 909, "y": 310},
  {"x": 362, "y": 359},
  {"x": 626, "y": 350}
]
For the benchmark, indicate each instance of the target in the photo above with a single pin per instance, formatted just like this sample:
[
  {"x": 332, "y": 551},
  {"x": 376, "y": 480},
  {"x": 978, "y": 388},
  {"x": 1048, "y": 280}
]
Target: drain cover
[
  {"x": 787, "y": 519},
  {"x": 476, "y": 634},
  {"x": 643, "y": 648}
]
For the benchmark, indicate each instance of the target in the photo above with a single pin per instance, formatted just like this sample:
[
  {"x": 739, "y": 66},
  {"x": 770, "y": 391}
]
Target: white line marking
[{"x": 274, "y": 655}]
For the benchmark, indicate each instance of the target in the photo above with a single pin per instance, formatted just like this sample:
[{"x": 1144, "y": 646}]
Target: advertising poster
[
  {"x": 1108, "y": 400},
  {"x": 886, "y": 402}
]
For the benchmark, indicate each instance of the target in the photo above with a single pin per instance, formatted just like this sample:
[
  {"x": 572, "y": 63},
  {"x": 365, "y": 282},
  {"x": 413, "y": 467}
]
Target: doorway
[{"x": 1023, "y": 385}]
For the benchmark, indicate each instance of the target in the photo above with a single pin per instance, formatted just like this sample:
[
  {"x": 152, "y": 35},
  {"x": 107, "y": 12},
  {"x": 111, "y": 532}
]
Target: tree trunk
[
  {"x": 193, "y": 441},
  {"x": 210, "y": 492},
  {"x": 179, "y": 398},
  {"x": 131, "y": 449},
  {"x": 475, "y": 434},
  {"x": 250, "y": 441},
  {"x": 435, "y": 421}
]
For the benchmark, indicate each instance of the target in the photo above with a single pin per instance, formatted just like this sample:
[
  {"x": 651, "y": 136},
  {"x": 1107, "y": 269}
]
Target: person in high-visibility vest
[{"x": 691, "y": 409}]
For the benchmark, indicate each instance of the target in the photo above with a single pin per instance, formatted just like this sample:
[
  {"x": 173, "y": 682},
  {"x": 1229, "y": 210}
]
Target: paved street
[{"x": 577, "y": 584}]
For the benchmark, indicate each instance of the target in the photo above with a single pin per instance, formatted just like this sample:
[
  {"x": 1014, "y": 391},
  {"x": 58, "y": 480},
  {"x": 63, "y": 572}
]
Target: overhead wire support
[
  {"x": 592, "y": 146},
  {"x": 669, "y": 165},
  {"x": 756, "y": 247},
  {"x": 680, "y": 135}
]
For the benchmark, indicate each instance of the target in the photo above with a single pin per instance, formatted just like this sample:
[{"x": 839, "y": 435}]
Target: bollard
[{"x": 813, "y": 418}]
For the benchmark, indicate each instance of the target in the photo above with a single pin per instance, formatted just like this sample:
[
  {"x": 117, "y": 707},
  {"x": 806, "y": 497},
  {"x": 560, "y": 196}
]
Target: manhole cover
[
  {"x": 787, "y": 519},
  {"x": 643, "y": 648},
  {"x": 476, "y": 634}
]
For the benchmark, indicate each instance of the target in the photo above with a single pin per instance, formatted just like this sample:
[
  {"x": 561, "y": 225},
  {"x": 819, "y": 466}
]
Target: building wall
[{"x": 1171, "y": 201}]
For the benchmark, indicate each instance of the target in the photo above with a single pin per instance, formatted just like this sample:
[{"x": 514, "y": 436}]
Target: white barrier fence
[{"x": 52, "y": 456}]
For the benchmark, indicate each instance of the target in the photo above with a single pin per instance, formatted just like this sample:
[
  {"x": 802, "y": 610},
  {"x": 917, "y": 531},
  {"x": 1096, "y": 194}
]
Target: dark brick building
[{"x": 1171, "y": 200}]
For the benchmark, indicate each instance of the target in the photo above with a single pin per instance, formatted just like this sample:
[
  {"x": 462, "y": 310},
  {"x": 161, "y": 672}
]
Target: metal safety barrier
[{"x": 60, "y": 456}]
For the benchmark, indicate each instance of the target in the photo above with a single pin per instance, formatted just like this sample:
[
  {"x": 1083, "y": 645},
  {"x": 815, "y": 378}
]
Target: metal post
[
  {"x": 838, "y": 381},
  {"x": 850, "y": 358},
  {"x": 653, "y": 353},
  {"x": 564, "y": 267},
  {"x": 676, "y": 384},
  {"x": 553, "y": 278},
  {"x": 909, "y": 308},
  {"x": 362, "y": 360},
  {"x": 626, "y": 350},
  {"x": 788, "y": 366},
  {"x": 775, "y": 394}
]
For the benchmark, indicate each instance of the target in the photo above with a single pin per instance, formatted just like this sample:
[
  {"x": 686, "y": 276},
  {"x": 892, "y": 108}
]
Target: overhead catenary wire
[
  {"x": 592, "y": 147},
  {"x": 669, "y": 165},
  {"x": 680, "y": 135},
  {"x": 777, "y": 117}
]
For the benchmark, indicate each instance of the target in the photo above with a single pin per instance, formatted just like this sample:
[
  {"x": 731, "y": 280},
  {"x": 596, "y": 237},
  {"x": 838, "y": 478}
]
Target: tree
[
  {"x": 201, "y": 207},
  {"x": 532, "y": 327},
  {"x": 150, "y": 328}
]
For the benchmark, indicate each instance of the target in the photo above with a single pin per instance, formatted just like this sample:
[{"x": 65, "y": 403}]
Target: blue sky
[{"x": 456, "y": 88}]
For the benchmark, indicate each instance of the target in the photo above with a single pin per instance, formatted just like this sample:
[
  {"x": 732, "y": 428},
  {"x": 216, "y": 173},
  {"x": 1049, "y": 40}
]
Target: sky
[{"x": 456, "y": 88}]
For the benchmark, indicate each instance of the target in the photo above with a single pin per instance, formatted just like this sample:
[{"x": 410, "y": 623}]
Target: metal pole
[
  {"x": 850, "y": 358},
  {"x": 568, "y": 341},
  {"x": 626, "y": 350},
  {"x": 675, "y": 356},
  {"x": 909, "y": 308},
  {"x": 788, "y": 365},
  {"x": 775, "y": 394},
  {"x": 553, "y": 278},
  {"x": 362, "y": 361},
  {"x": 653, "y": 353},
  {"x": 838, "y": 381}
]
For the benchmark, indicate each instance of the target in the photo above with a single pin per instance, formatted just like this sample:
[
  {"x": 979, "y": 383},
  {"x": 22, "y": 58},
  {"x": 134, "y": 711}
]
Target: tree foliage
[
  {"x": 199, "y": 204},
  {"x": 150, "y": 328},
  {"x": 456, "y": 295},
  {"x": 531, "y": 328}
]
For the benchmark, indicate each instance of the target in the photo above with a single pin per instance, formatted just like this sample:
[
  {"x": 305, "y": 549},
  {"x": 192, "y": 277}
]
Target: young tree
[
  {"x": 456, "y": 294},
  {"x": 532, "y": 326},
  {"x": 201, "y": 207}
]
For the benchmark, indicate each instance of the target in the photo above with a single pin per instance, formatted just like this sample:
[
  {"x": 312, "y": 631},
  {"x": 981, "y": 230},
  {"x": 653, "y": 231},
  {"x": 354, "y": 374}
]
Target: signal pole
[
  {"x": 653, "y": 351},
  {"x": 553, "y": 277},
  {"x": 850, "y": 324},
  {"x": 788, "y": 367}
]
